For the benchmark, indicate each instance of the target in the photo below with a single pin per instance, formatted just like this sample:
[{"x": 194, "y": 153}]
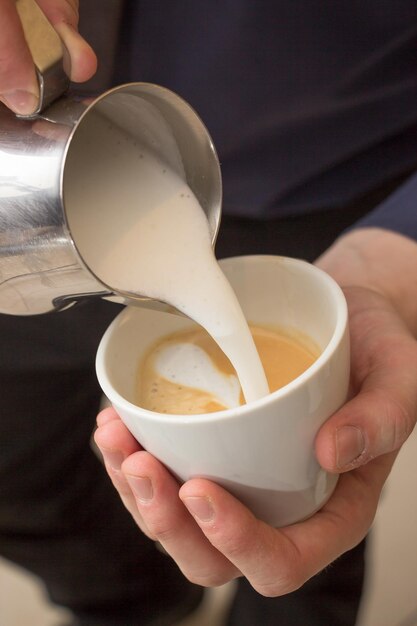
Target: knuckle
[
  {"x": 402, "y": 422},
  {"x": 235, "y": 547},
  {"x": 286, "y": 582},
  {"x": 240, "y": 542},
  {"x": 160, "y": 531},
  {"x": 161, "y": 534},
  {"x": 206, "y": 579}
]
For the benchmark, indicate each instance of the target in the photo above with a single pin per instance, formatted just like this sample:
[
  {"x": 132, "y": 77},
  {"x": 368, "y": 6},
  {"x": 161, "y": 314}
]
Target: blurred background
[{"x": 391, "y": 590}]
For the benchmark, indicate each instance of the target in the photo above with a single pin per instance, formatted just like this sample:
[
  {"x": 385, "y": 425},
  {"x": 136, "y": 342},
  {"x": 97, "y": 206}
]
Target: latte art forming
[{"x": 186, "y": 373}]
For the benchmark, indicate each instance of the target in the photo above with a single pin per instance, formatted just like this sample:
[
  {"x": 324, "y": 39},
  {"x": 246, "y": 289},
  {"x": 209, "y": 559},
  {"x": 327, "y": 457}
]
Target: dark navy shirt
[{"x": 310, "y": 103}]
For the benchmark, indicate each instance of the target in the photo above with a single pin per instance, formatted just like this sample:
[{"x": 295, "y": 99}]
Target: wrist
[{"x": 380, "y": 260}]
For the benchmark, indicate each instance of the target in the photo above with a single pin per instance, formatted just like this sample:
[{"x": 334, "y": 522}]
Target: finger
[
  {"x": 80, "y": 61},
  {"x": 107, "y": 415},
  {"x": 18, "y": 83},
  {"x": 113, "y": 439},
  {"x": 156, "y": 492},
  {"x": 277, "y": 562},
  {"x": 260, "y": 553},
  {"x": 115, "y": 444},
  {"x": 379, "y": 419}
]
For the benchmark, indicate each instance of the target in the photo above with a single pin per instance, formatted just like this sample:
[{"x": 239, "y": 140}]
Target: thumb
[
  {"x": 18, "y": 83},
  {"x": 376, "y": 421},
  {"x": 19, "y": 88}
]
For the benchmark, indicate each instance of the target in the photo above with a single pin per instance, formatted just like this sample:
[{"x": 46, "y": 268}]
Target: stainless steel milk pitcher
[{"x": 41, "y": 267}]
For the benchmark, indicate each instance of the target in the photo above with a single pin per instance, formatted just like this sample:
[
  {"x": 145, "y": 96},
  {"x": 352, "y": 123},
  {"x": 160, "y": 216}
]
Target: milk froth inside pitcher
[{"x": 99, "y": 167}]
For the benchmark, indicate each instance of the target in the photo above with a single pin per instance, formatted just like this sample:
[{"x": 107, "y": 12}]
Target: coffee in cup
[
  {"x": 263, "y": 451},
  {"x": 187, "y": 373}
]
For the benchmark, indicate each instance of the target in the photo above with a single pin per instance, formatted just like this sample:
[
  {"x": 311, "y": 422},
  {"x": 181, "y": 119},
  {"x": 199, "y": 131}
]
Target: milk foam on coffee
[
  {"x": 186, "y": 372},
  {"x": 190, "y": 366},
  {"x": 154, "y": 240}
]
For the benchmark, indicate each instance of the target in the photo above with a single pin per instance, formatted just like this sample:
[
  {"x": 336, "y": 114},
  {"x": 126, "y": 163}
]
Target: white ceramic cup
[{"x": 263, "y": 453}]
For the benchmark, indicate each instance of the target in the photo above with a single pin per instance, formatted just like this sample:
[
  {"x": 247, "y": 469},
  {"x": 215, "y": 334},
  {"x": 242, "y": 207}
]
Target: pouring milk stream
[{"x": 163, "y": 250}]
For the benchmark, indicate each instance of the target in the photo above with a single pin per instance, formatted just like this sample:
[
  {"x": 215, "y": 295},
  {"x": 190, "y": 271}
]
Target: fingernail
[
  {"x": 201, "y": 508},
  {"x": 141, "y": 487},
  {"x": 350, "y": 444},
  {"x": 21, "y": 102},
  {"x": 113, "y": 458}
]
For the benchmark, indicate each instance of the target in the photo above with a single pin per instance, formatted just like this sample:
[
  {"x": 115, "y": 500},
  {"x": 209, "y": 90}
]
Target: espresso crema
[{"x": 186, "y": 373}]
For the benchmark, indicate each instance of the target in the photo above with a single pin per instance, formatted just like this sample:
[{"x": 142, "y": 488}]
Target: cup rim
[{"x": 236, "y": 412}]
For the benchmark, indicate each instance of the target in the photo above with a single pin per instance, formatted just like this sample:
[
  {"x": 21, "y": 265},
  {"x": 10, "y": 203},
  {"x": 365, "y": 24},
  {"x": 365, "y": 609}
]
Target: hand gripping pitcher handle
[
  {"x": 47, "y": 52},
  {"x": 46, "y": 157}
]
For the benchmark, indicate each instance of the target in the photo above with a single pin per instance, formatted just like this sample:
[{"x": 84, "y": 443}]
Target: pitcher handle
[{"x": 47, "y": 52}]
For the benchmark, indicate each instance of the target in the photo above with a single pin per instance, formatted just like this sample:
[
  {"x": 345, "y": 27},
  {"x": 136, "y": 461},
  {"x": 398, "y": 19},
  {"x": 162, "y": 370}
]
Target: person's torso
[{"x": 309, "y": 102}]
